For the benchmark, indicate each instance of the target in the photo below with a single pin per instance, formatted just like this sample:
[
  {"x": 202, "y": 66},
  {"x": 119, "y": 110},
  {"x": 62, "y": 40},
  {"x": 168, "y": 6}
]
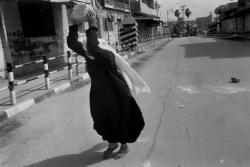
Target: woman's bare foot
[
  {"x": 109, "y": 152},
  {"x": 122, "y": 152}
]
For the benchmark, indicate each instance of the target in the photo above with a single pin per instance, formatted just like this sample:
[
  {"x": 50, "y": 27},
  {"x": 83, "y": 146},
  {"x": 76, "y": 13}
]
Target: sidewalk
[
  {"x": 232, "y": 36},
  {"x": 35, "y": 91}
]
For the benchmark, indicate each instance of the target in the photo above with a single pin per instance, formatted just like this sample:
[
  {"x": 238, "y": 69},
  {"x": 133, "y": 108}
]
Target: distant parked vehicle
[{"x": 193, "y": 31}]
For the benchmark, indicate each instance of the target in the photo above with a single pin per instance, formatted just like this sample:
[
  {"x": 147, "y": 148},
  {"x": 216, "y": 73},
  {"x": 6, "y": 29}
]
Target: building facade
[
  {"x": 203, "y": 23},
  {"x": 111, "y": 19},
  {"x": 234, "y": 18},
  {"x": 146, "y": 14}
]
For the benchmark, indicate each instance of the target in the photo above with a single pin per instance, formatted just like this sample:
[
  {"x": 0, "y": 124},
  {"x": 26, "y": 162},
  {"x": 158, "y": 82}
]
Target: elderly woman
[{"x": 116, "y": 115}]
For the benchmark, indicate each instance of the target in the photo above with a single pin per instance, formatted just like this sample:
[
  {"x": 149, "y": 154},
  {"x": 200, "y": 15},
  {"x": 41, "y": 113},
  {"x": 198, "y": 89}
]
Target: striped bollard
[
  {"x": 139, "y": 45},
  {"x": 123, "y": 50},
  {"x": 145, "y": 43},
  {"x": 142, "y": 44},
  {"x": 46, "y": 72},
  {"x": 11, "y": 83},
  {"x": 77, "y": 64},
  {"x": 129, "y": 50},
  {"x": 69, "y": 65},
  {"x": 116, "y": 46}
]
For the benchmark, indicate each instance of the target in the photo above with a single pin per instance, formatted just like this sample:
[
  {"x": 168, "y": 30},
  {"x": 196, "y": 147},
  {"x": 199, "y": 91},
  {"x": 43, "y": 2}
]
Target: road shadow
[
  {"x": 6, "y": 129},
  {"x": 84, "y": 159},
  {"x": 218, "y": 49},
  {"x": 5, "y": 101}
]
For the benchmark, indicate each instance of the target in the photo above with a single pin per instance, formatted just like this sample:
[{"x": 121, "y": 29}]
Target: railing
[
  {"x": 140, "y": 45},
  {"x": 10, "y": 69}
]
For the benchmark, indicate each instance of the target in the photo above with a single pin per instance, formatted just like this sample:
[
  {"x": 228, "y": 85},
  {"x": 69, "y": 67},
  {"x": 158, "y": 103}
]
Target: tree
[
  {"x": 177, "y": 13},
  {"x": 187, "y": 13}
]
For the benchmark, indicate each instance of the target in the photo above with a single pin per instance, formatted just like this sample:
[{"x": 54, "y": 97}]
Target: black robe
[{"x": 116, "y": 115}]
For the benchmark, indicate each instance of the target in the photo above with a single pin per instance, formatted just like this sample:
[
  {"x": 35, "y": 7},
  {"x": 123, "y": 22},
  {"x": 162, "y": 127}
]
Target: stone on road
[{"x": 195, "y": 117}]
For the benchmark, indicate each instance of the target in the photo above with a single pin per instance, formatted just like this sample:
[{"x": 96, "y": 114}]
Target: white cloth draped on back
[{"x": 135, "y": 82}]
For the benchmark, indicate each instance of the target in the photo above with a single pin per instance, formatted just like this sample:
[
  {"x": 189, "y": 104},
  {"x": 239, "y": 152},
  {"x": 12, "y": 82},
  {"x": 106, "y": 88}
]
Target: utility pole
[
  {"x": 169, "y": 11},
  {"x": 129, "y": 3},
  {"x": 183, "y": 11}
]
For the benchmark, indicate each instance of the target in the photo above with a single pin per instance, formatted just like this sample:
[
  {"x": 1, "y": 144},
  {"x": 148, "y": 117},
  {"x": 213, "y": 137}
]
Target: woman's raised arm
[{"x": 72, "y": 41}]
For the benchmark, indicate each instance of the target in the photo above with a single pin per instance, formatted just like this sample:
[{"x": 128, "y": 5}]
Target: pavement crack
[
  {"x": 164, "y": 109},
  {"x": 157, "y": 130}
]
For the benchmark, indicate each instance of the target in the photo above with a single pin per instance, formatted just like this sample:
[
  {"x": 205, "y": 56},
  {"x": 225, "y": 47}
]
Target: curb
[{"x": 22, "y": 106}]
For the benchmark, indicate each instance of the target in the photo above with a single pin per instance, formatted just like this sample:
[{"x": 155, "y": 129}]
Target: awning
[
  {"x": 128, "y": 19},
  {"x": 56, "y": 1},
  {"x": 81, "y": 1},
  {"x": 146, "y": 17},
  {"x": 59, "y": 1}
]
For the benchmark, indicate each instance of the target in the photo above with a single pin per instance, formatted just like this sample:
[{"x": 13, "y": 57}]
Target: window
[
  {"x": 107, "y": 24},
  {"x": 36, "y": 19}
]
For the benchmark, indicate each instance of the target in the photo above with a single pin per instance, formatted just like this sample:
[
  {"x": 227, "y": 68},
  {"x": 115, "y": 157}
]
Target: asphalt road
[{"x": 195, "y": 117}]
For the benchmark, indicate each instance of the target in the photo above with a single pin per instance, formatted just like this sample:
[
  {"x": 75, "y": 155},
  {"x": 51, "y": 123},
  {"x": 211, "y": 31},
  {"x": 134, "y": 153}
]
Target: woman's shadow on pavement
[{"x": 84, "y": 159}]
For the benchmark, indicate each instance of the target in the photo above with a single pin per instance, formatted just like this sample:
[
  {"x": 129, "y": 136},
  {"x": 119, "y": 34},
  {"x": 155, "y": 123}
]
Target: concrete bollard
[
  {"x": 69, "y": 65},
  {"x": 116, "y": 46},
  {"x": 46, "y": 72},
  {"x": 11, "y": 83},
  {"x": 77, "y": 64}
]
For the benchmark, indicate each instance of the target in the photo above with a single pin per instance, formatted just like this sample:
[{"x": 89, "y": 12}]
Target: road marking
[
  {"x": 222, "y": 161},
  {"x": 229, "y": 89},
  {"x": 188, "y": 89},
  {"x": 147, "y": 164},
  {"x": 224, "y": 89},
  {"x": 143, "y": 140}
]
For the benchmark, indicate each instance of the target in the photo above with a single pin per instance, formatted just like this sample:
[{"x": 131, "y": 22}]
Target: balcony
[
  {"x": 147, "y": 10},
  {"x": 121, "y": 5},
  {"x": 149, "y": 3},
  {"x": 138, "y": 7}
]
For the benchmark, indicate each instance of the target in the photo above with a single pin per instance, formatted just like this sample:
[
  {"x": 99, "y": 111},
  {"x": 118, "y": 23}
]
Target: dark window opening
[
  {"x": 37, "y": 19},
  {"x": 108, "y": 24}
]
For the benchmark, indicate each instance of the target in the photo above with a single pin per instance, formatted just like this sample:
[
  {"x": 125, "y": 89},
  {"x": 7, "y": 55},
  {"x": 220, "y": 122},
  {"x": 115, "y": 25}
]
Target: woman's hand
[{"x": 91, "y": 17}]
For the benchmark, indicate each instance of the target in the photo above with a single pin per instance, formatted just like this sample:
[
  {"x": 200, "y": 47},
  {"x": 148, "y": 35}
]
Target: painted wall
[
  {"x": 2, "y": 61},
  {"x": 247, "y": 23},
  {"x": 24, "y": 49},
  {"x": 228, "y": 26},
  {"x": 111, "y": 36},
  {"x": 239, "y": 24}
]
